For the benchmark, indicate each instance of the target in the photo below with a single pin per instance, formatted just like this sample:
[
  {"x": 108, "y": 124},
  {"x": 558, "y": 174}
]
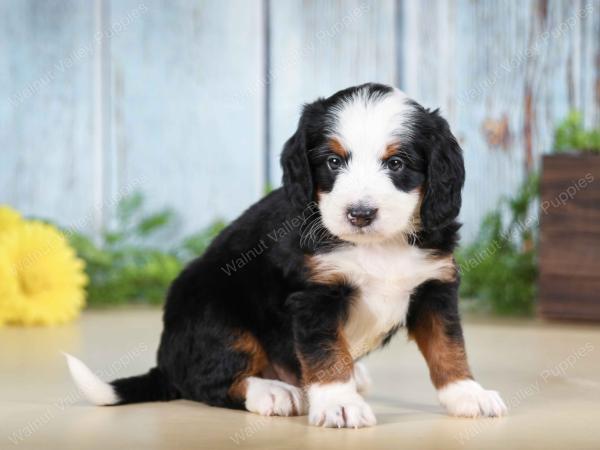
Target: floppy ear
[
  {"x": 445, "y": 178},
  {"x": 297, "y": 177}
]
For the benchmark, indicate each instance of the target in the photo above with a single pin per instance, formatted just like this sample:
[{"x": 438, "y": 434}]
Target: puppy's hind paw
[{"x": 274, "y": 398}]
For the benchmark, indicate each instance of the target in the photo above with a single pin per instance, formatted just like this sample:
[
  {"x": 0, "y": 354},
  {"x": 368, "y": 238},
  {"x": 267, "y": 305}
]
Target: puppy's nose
[{"x": 361, "y": 215}]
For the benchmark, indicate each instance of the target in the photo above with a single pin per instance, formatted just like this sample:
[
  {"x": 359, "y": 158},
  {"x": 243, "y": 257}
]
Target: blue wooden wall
[
  {"x": 190, "y": 101},
  {"x": 46, "y": 162},
  {"x": 503, "y": 73}
]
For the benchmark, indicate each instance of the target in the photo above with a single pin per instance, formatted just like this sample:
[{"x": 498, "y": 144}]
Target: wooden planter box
[{"x": 569, "y": 284}]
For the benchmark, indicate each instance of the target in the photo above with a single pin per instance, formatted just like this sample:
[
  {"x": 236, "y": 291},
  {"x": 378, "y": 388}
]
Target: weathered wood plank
[
  {"x": 187, "y": 117},
  {"x": 46, "y": 167},
  {"x": 567, "y": 297},
  {"x": 569, "y": 237}
]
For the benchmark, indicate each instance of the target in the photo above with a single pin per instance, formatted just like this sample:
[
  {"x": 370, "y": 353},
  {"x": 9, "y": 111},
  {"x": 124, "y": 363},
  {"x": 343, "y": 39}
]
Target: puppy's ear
[
  {"x": 297, "y": 177},
  {"x": 445, "y": 178}
]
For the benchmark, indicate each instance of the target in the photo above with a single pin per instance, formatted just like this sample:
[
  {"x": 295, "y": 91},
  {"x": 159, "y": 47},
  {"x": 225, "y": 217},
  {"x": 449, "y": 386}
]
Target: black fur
[
  {"x": 253, "y": 276},
  {"x": 317, "y": 312},
  {"x": 435, "y": 298},
  {"x": 445, "y": 173}
]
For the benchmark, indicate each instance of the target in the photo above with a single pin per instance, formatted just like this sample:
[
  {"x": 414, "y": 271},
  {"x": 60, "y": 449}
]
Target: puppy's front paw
[
  {"x": 361, "y": 377},
  {"x": 466, "y": 398},
  {"x": 338, "y": 405}
]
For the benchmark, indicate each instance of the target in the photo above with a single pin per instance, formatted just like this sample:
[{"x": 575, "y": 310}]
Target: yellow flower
[
  {"x": 9, "y": 288},
  {"x": 41, "y": 279},
  {"x": 9, "y": 219}
]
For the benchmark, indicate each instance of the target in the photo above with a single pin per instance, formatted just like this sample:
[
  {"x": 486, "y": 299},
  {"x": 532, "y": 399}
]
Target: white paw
[
  {"x": 338, "y": 405},
  {"x": 466, "y": 398},
  {"x": 274, "y": 398},
  {"x": 362, "y": 378}
]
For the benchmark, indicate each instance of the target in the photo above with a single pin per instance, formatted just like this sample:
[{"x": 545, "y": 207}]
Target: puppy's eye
[
  {"x": 394, "y": 164},
  {"x": 334, "y": 162}
]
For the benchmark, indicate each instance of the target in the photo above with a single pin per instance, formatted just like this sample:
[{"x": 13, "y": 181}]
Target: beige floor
[{"x": 548, "y": 374}]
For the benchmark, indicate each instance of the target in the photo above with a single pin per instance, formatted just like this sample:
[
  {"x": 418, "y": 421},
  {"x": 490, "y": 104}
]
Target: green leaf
[
  {"x": 128, "y": 207},
  {"x": 154, "y": 222}
]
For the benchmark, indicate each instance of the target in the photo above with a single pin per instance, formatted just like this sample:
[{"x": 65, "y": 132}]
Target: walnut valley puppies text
[{"x": 271, "y": 238}]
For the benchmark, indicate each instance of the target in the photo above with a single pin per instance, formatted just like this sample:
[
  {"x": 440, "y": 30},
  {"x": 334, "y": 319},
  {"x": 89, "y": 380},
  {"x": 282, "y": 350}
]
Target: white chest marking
[{"x": 386, "y": 276}]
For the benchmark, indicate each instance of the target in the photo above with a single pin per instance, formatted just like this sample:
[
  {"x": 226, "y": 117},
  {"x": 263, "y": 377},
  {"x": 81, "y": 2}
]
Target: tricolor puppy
[{"x": 358, "y": 243}]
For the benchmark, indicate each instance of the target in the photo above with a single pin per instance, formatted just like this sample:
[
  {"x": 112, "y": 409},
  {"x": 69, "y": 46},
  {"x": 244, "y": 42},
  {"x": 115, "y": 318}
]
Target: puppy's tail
[{"x": 150, "y": 387}]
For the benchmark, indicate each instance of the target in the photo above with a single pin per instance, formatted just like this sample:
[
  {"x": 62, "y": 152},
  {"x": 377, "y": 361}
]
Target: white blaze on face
[{"x": 366, "y": 126}]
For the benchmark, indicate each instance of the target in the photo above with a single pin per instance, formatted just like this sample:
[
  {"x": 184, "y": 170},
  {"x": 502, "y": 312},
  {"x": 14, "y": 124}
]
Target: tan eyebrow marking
[
  {"x": 391, "y": 150},
  {"x": 338, "y": 148}
]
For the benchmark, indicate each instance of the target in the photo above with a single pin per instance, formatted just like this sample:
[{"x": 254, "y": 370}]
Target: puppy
[{"x": 357, "y": 244}]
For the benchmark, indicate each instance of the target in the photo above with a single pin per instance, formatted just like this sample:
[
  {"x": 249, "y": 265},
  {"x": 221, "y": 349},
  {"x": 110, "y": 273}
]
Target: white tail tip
[{"x": 94, "y": 389}]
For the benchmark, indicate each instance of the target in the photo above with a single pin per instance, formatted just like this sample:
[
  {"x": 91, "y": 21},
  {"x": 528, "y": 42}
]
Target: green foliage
[
  {"x": 125, "y": 267},
  {"x": 571, "y": 135},
  {"x": 499, "y": 268},
  {"x": 197, "y": 243}
]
